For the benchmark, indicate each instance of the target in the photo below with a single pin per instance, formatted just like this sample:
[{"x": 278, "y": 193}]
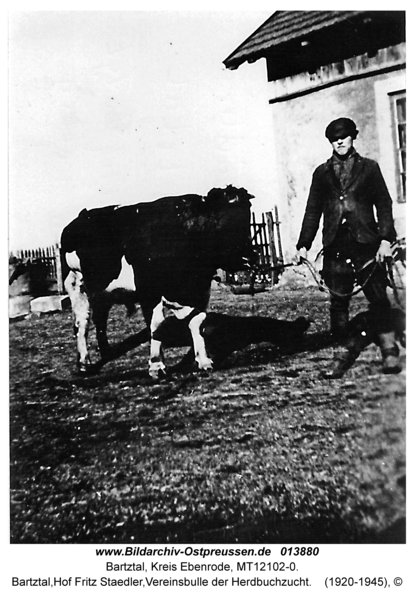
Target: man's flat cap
[{"x": 340, "y": 129}]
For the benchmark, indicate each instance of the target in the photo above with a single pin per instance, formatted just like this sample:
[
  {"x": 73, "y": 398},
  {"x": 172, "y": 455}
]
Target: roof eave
[
  {"x": 233, "y": 61},
  {"x": 233, "y": 64}
]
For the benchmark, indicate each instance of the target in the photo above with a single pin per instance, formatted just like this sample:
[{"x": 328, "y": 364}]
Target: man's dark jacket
[{"x": 365, "y": 190}]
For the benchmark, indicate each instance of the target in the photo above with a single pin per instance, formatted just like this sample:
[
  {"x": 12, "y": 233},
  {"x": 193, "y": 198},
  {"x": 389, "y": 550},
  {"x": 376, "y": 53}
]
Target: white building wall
[{"x": 299, "y": 126}]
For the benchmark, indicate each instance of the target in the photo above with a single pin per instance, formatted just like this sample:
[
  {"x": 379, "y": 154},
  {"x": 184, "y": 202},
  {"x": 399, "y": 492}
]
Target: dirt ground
[{"x": 262, "y": 449}]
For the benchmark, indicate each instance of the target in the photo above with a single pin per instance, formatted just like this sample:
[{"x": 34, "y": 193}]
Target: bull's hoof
[
  {"x": 157, "y": 375},
  {"x": 157, "y": 370},
  {"x": 205, "y": 365},
  {"x": 85, "y": 369}
]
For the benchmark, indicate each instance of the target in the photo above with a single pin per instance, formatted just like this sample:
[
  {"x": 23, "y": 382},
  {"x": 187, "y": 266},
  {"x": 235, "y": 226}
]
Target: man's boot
[
  {"x": 344, "y": 357},
  {"x": 390, "y": 352}
]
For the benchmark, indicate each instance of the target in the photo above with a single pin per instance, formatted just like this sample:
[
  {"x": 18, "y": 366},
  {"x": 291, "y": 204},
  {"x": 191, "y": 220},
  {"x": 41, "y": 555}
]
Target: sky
[{"x": 120, "y": 107}]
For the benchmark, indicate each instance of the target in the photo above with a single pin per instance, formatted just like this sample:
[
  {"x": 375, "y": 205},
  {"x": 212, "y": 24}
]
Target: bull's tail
[
  {"x": 64, "y": 264},
  {"x": 71, "y": 238}
]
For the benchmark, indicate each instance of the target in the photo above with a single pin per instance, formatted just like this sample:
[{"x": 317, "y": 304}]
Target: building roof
[{"x": 285, "y": 26}]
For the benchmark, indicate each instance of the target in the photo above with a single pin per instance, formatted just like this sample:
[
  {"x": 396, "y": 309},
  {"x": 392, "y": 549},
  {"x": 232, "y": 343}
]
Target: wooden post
[
  {"x": 279, "y": 239},
  {"x": 266, "y": 252},
  {"x": 253, "y": 228},
  {"x": 273, "y": 253},
  {"x": 260, "y": 241}
]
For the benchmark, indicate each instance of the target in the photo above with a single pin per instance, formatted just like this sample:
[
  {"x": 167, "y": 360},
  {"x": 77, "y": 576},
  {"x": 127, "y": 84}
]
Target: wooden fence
[
  {"x": 46, "y": 263},
  {"x": 268, "y": 246}
]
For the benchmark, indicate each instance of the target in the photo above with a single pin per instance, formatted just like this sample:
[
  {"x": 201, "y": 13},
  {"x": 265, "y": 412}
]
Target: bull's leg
[
  {"x": 195, "y": 320},
  {"x": 81, "y": 312},
  {"x": 100, "y": 312},
  {"x": 204, "y": 362},
  {"x": 156, "y": 361}
]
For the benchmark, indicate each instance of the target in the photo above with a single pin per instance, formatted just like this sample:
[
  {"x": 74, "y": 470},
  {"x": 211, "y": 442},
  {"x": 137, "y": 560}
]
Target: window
[{"x": 399, "y": 113}]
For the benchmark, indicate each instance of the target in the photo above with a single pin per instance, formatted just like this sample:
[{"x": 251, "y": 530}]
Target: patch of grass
[{"x": 261, "y": 450}]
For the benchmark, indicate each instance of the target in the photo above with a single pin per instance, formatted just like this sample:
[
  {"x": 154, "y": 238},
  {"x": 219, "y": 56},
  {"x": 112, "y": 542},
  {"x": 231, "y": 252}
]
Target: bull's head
[{"x": 232, "y": 241}]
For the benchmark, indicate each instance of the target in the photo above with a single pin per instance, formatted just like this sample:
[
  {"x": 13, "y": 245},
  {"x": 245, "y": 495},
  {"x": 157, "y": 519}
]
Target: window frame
[{"x": 399, "y": 127}]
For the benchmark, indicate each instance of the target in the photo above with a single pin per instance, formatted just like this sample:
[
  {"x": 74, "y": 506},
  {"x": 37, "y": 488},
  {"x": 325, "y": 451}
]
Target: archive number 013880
[{"x": 299, "y": 551}]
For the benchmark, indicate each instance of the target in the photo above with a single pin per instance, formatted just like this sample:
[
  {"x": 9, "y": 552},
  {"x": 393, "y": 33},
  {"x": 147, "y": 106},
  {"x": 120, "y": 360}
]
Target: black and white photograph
[{"x": 207, "y": 278}]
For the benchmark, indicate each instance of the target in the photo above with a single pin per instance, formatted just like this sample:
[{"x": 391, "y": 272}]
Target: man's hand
[
  {"x": 299, "y": 256},
  {"x": 384, "y": 252}
]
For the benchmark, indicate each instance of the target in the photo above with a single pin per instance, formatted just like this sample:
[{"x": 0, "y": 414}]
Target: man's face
[{"x": 342, "y": 145}]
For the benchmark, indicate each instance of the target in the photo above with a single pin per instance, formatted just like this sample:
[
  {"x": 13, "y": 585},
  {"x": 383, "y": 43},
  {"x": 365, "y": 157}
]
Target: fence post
[
  {"x": 279, "y": 239},
  {"x": 273, "y": 254}
]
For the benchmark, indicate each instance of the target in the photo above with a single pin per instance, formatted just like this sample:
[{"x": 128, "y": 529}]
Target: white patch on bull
[
  {"x": 157, "y": 317},
  {"x": 72, "y": 260},
  {"x": 81, "y": 312},
  {"x": 125, "y": 279},
  {"x": 156, "y": 361},
  {"x": 204, "y": 362},
  {"x": 180, "y": 311}
]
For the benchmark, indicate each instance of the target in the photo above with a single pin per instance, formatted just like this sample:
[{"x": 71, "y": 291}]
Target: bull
[{"x": 161, "y": 255}]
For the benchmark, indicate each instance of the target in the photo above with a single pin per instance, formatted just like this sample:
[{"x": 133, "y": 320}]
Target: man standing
[{"x": 346, "y": 189}]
